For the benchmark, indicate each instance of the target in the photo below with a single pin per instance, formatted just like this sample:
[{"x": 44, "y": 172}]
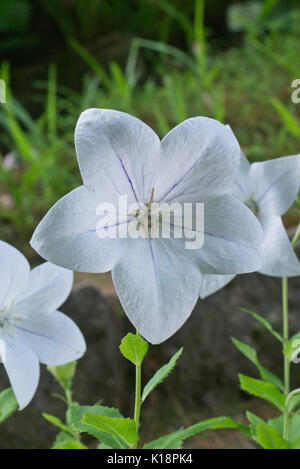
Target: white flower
[
  {"x": 269, "y": 189},
  {"x": 157, "y": 280},
  {"x": 30, "y": 327}
]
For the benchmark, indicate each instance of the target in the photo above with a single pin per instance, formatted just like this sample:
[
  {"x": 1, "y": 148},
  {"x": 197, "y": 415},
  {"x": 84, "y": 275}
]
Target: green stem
[
  {"x": 286, "y": 368},
  {"x": 296, "y": 236},
  {"x": 285, "y": 317},
  {"x": 138, "y": 400},
  {"x": 287, "y": 413},
  {"x": 138, "y": 397},
  {"x": 68, "y": 393}
]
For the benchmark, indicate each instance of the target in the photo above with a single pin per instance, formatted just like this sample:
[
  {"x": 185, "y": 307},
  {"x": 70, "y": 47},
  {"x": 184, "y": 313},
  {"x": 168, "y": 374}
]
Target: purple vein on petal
[
  {"x": 239, "y": 186},
  {"x": 185, "y": 174},
  {"x": 113, "y": 184},
  {"x": 214, "y": 235},
  {"x": 143, "y": 181},
  {"x": 34, "y": 293},
  {"x": 269, "y": 188},
  {"x": 153, "y": 258},
  {"x": 179, "y": 181},
  {"x": 124, "y": 169},
  {"x": 44, "y": 336},
  {"x": 115, "y": 224},
  {"x": 33, "y": 332},
  {"x": 226, "y": 238}
]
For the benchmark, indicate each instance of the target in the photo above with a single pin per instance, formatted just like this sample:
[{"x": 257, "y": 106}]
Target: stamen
[
  {"x": 151, "y": 198},
  {"x": 146, "y": 219}
]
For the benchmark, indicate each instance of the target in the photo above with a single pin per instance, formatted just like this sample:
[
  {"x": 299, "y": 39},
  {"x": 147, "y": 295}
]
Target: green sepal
[{"x": 64, "y": 374}]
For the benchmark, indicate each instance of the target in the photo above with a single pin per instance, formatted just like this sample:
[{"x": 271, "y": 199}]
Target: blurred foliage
[
  {"x": 188, "y": 73},
  {"x": 28, "y": 24}
]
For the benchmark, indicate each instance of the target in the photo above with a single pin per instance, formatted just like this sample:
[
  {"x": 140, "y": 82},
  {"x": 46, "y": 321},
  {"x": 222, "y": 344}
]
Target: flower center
[
  {"x": 145, "y": 217},
  {"x": 7, "y": 318},
  {"x": 4, "y": 317},
  {"x": 149, "y": 217},
  {"x": 252, "y": 204}
]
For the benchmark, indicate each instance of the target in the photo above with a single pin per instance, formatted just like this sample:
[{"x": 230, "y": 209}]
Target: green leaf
[
  {"x": 134, "y": 348},
  {"x": 251, "y": 354},
  {"x": 66, "y": 441},
  {"x": 294, "y": 427},
  {"x": 8, "y": 404},
  {"x": 267, "y": 391},
  {"x": 58, "y": 423},
  {"x": 75, "y": 415},
  {"x": 295, "y": 444},
  {"x": 268, "y": 376},
  {"x": 160, "y": 375},
  {"x": 246, "y": 350},
  {"x": 265, "y": 323},
  {"x": 103, "y": 446},
  {"x": 61, "y": 438},
  {"x": 72, "y": 444},
  {"x": 170, "y": 441},
  {"x": 254, "y": 421},
  {"x": 121, "y": 428},
  {"x": 269, "y": 438},
  {"x": 64, "y": 374}
]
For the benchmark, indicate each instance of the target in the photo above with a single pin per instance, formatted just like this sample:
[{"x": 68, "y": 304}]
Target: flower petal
[
  {"x": 200, "y": 157},
  {"x": 212, "y": 283},
  {"x": 48, "y": 288},
  {"x": 232, "y": 238},
  {"x": 23, "y": 370},
  {"x": 242, "y": 188},
  {"x": 14, "y": 273},
  {"x": 53, "y": 337},
  {"x": 116, "y": 147},
  {"x": 276, "y": 183},
  {"x": 279, "y": 258},
  {"x": 67, "y": 235},
  {"x": 158, "y": 286}
]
